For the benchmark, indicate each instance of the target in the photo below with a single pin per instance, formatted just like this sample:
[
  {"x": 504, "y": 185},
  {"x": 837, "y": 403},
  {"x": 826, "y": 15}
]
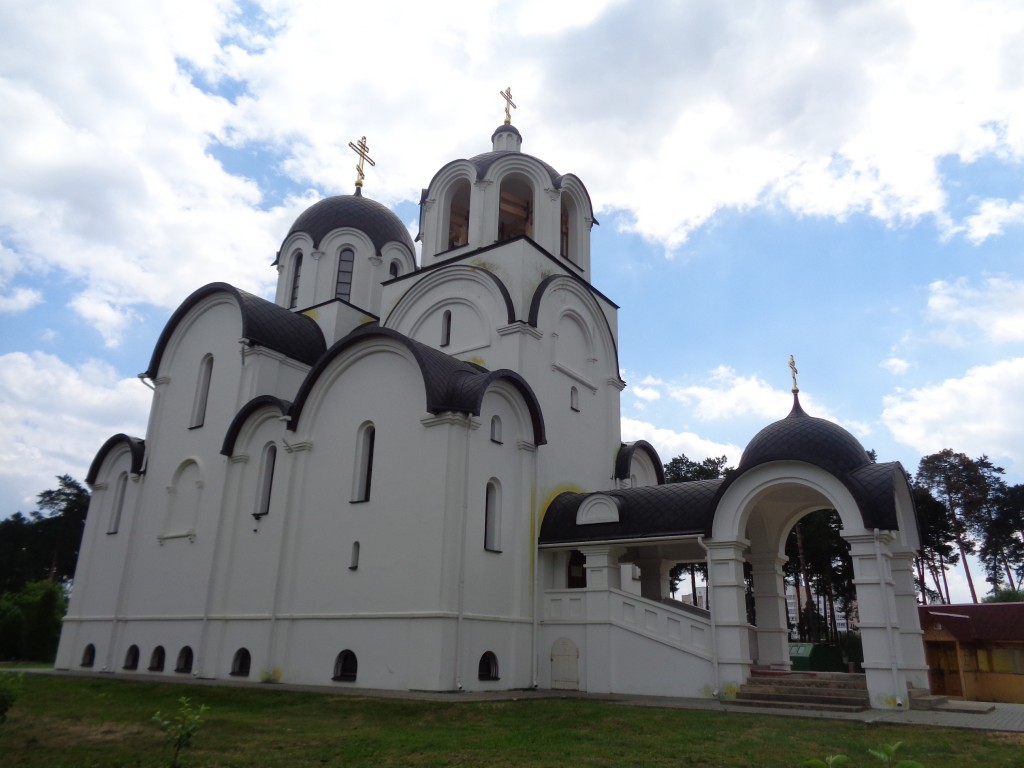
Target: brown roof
[{"x": 983, "y": 621}]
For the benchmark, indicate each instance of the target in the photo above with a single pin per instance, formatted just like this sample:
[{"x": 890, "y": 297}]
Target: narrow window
[
  {"x": 492, "y": 517},
  {"x": 296, "y": 279},
  {"x": 353, "y": 562},
  {"x": 496, "y": 430},
  {"x": 156, "y": 660},
  {"x": 446, "y": 328},
  {"x": 184, "y": 664},
  {"x": 266, "y": 481},
  {"x": 241, "y": 663},
  {"x": 346, "y": 261},
  {"x": 131, "y": 659},
  {"x": 364, "y": 463},
  {"x": 89, "y": 655},
  {"x": 119, "y": 493},
  {"x": 395, "y": 269},
  {"x": 345, "y": 667},
  {"x": 576, "y": 575},
  {"x": 488, "y": 668},
  {"x": 574, "y": 399},
  {"x": 567, "y": 241},
  {"x": 202, "y": 391}
]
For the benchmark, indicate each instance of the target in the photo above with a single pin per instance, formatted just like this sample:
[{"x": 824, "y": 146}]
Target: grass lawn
[{"x": 86, "y": 722}]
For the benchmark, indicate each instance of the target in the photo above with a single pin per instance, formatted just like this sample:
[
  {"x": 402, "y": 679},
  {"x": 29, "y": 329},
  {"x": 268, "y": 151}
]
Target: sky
[{"x": 838, "y": 181}]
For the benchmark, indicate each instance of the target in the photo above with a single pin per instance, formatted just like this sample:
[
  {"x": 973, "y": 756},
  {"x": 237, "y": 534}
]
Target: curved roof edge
[
  {"x": 264, "y": 324},
  {"x": 260, "y": 401},
  {"x": 624, "y": 459},
  {"x": 450, "y": 384},
  {"x": 136, "y": 446},
  {"x": 542, "y": 288}
]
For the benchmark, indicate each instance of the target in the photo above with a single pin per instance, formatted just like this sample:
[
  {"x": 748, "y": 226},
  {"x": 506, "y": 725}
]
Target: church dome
[
  {"x": 376, "y": 221},
  {"x": 800, "y": 437}
]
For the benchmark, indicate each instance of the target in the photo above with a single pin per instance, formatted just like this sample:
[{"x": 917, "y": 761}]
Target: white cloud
[
  {"x": 669, "y": 443},
  {"x": 992, "y": 218},
  {"x": 732, "y": 395},
  {"x": 646, "y": 393},
  {"x": 996, "y": 309},
  {"x": 895, "y": 365},
  {"x": 979, "y": 413},
  {"x": 53, "y": 419},
  {"x": 20, "y": 300}
]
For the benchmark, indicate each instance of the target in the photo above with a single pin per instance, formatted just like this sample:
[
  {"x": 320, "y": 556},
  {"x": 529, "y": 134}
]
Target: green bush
[{"x": 10, "y": 687}]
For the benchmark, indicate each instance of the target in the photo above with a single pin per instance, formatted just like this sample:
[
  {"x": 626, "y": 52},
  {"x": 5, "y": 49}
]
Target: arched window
[
  {"x": 446, "y": 328},
  {"x": 89, "y": 655},
  {"x": 364, "y": 463},
  {"x": 346, "y": 261},
  {"x": 296, "y": 279},
  {"x": 345, "y": 667},
  {"x": 574, "y": 399},
  {"x": 353, "y": 562},
  {"x": 120, "y": 489},
  {"x": 202, "y": 391},
  {"x": 241, "y": 663},
  {"x": 156, "y": 659},
  {"x": 492, "y": 517},
  {"x": 515, "y": 209},
  {"x": 184, "y": 664},
  {"x": 266, "y": 481},
  {"x": 395, "y": 269},
  {"x": 458, "y": 214},
  {"x": 131, "y": 659},
  {"x": 488, "y": 667},
  {"x": 496, "y": 429}
]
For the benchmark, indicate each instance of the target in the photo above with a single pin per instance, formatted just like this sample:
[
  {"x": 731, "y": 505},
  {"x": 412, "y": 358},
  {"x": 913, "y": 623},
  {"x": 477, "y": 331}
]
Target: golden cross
[
  {"x": 507, "y": 96},
  {"x": 793, "y": 371},
  {"x": 364, "y": 154}
]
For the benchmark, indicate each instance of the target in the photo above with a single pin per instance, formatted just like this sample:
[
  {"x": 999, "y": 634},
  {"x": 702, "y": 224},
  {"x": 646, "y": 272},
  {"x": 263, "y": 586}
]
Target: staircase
[{"x": 819, "y": 691}]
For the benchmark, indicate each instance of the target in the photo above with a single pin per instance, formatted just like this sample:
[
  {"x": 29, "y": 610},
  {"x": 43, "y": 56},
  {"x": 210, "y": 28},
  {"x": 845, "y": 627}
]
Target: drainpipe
[
  {"x": 714, "y": 638},
  {"x": 888, "y": 620}
]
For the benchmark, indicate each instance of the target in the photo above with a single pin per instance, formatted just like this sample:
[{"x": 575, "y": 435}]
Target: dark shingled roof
[
  {"x": 677, "y": 509},
  {"x": 264, "y": 324},
  {"x": 450, "y": 384},
  {"x": 136, "y": 445},
  {"x": 976, "y": 622},
  {"x": 376, "y": 221},
  {"x": 800, "y": 437}
]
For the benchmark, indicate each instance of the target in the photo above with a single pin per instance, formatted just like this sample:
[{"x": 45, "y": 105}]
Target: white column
[
  {"x": 729, "y": 613},
  {"x": 770, "y": 604}
]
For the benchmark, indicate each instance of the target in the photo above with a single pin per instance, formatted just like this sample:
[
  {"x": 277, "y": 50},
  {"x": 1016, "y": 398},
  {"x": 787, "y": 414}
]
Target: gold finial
[
  {"x": 509, "y": 104},
  {"x": 364, "y": 155},
  {"x": 793, "y": 371}
]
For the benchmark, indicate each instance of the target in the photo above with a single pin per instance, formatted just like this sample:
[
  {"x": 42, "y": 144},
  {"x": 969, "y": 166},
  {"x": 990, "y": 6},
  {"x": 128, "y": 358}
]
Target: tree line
[{"x": 38, "y": 554}]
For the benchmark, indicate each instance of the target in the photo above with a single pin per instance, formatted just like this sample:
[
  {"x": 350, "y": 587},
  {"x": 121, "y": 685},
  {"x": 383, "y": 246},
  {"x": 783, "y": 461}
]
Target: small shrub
[
  {"x": 10, "y": 687},
  {"x": 271, "y": 675},
  {"x": 181, "y": 727}
]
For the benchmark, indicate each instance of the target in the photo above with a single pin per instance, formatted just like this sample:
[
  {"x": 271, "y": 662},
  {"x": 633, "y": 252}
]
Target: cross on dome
[
  {"x": 361, "y": 149},
  {"x": 509, "y": 104}
]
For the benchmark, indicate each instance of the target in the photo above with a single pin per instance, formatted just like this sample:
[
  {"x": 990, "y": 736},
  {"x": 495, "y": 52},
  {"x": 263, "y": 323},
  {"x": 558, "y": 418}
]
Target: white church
[{"x": 409, "y": 476}]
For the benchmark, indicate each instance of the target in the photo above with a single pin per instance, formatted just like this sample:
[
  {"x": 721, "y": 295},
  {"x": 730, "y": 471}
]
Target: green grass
[{"x": 86, "y": 722}]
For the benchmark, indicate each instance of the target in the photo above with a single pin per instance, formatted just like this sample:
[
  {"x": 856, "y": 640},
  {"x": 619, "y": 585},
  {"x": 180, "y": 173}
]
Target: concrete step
[
  {"x": 823, "y": 691},
  {"x": 798, "y": 705},
  {"x": 807, "y": 683},
  {"x": 786, "y": 697}
]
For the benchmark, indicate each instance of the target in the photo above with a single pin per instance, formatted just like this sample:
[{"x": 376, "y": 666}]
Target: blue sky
[{"x": 842, "y": 182}]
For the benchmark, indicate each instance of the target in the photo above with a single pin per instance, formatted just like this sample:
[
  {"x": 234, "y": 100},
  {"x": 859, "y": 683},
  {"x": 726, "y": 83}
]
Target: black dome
[
  {"x": 368, "y": 216},
  {"x": 800, "y": 437}
]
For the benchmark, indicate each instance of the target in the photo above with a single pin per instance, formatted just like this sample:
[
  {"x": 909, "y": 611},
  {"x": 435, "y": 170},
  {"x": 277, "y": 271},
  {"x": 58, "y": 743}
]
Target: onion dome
[
  {"x": 800, "y": 437},
  {"x": 376, "y": 221}
]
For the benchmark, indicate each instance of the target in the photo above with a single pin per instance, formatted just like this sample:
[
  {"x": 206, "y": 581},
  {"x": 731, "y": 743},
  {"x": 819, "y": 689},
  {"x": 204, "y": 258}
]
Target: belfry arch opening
[
  {"x": 515, "y": 208},
  {"x": 457, "y": 214}
]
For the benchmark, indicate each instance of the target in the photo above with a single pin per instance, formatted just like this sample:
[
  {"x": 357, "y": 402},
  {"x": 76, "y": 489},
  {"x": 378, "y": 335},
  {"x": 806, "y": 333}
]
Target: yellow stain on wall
[
  {"x": 551, "y": 497},
  {"x": 311, "y": 313}
]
